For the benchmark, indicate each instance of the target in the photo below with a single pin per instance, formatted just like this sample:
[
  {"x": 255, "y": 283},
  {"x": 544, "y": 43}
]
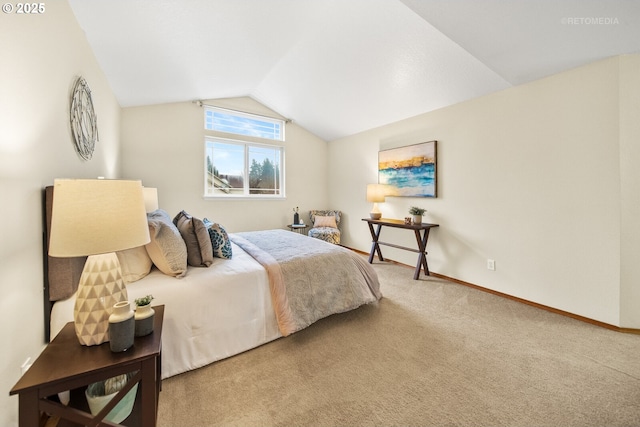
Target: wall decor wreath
[{"x": 84, "y": 123}]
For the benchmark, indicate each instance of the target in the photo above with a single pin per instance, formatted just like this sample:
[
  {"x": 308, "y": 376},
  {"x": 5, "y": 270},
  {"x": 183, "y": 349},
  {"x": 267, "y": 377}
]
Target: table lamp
[
  {"x": 97, "y": 217},
  {"x": 376, "y": 194}
]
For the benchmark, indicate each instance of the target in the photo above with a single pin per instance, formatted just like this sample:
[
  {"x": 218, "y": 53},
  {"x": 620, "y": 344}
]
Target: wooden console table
[
  {"x": 65, "y": 364},
  {"x": 421, "y": 232}
]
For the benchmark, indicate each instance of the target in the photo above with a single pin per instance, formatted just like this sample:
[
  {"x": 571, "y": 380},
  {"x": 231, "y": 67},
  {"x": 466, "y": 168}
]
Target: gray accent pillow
[
  {"x": 166, "y": 249},
  {"x": 196, "y": 237}
]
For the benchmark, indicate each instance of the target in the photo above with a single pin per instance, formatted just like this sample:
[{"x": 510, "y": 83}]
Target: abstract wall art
[{"x": 409, "y": 171}]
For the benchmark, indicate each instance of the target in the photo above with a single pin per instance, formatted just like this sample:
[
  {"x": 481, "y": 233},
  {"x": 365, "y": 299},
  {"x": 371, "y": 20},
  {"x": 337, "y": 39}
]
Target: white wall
[
  {"x": 630, "y": 194},
  {"x": 164, "y": 146},
  {"x": 41, "y": 58},
  {"x": 530, "y": 177}
]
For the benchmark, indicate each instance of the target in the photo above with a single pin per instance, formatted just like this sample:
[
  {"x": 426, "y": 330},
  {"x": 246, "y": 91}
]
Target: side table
[
  {"x": 298, "y": 228},
  {"x": 65, "y": 364}
]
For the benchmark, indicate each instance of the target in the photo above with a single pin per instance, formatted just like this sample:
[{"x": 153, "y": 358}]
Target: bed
[{"x": 275, "y": 283}]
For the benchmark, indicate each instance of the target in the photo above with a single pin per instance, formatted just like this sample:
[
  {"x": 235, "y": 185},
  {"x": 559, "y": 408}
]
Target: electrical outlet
[
  {"x": 491, "y": 265},
  {"x": 25, "y": 366}
]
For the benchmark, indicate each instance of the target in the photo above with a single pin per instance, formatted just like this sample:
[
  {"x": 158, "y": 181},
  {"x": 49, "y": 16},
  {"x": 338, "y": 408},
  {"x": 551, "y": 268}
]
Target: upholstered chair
[{"x": 325, "y": 225}]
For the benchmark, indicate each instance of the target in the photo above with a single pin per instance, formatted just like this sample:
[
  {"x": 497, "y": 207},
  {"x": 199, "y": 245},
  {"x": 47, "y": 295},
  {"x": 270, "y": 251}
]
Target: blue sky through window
[{"x": 243, "y": 124}]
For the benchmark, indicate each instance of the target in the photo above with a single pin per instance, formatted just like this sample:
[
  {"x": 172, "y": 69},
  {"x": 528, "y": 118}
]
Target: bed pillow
[
  {"x": 219, "y": 240},
  {"x": 196, "y": 237},
  {"x": 325, "y": 221},
  {"x": 166, "y": 249},
  {"x": 135, "y": 264}
]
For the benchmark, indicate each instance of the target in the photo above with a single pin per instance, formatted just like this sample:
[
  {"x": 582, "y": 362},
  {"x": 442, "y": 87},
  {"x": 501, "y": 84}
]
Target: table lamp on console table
[
  {"x": 376, "y": 194},
  {"x": 97, "y": 217}
]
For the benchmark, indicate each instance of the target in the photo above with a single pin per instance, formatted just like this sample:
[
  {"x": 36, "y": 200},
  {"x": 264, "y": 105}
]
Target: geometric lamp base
[{"x": 101, "y": 286}]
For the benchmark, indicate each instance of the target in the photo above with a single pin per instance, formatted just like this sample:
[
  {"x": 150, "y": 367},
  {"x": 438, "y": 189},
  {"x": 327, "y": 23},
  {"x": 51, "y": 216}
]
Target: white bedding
[{"x": 210, "y": 314}]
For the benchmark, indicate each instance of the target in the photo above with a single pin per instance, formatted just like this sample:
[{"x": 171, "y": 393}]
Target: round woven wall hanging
[{"x": 84, "y": 123}]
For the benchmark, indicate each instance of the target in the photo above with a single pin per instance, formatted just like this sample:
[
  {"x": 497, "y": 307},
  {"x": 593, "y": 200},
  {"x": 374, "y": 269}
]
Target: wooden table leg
[
  {"x": 149, "y": 401},
  {"x": 375, "y": 247},
  {"x": 28, "y": 409},
  {"x": 422, "y": 257}
]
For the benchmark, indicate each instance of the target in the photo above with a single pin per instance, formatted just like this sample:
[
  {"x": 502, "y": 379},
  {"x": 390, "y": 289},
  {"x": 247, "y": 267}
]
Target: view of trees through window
[
  {"x": 240, "y": 166},
  {"x": 228, "y": 163}
]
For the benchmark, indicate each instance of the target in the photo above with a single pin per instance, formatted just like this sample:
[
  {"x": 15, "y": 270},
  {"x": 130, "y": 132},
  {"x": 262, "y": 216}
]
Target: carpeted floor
[{"x": 430, "y": 353}]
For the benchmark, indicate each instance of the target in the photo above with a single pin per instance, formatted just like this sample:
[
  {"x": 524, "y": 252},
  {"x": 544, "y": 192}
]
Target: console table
[
  {"x": 421, "y": 232},
  {"x": 65, "y": 364}
]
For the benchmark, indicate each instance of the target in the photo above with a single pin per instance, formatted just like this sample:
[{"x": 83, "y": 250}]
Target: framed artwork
[{"x": 409, "y": 171}]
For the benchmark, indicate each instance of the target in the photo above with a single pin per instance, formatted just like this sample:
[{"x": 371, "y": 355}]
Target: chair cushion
[{"x": 328, "y": 234}]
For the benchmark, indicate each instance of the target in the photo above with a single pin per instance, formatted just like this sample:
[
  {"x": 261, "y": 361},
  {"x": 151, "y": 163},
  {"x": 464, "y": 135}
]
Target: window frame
[{"x": 213, "y": 193}]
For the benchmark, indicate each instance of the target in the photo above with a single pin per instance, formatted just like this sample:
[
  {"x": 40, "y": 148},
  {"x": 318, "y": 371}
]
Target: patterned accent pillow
[{"x": 219, "y": 239}]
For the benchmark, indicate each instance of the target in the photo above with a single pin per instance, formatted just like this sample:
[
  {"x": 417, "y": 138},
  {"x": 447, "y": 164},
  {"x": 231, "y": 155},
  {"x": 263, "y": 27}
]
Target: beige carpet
[{"x": 431, "y": 353}]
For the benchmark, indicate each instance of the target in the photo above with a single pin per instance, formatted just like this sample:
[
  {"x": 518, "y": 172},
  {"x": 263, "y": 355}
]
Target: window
[
  {"x": 239, "y": 123},
  {"x": 239, "y": 168},
  {"x": 242, "y": 167}
]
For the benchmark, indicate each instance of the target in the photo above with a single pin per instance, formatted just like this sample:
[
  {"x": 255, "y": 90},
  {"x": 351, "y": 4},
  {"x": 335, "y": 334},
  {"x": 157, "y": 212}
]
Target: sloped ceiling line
[{"x": 338, "y": 67}]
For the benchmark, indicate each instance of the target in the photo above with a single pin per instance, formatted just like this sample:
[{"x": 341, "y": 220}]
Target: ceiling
[{"x": 338, "y": 67}]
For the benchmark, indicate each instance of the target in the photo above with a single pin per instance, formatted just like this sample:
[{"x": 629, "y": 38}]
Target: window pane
[
  {"x": 243, "y": 124},
  {"x": 225, "y": 168},
  {"x": 264, "y": 170}
]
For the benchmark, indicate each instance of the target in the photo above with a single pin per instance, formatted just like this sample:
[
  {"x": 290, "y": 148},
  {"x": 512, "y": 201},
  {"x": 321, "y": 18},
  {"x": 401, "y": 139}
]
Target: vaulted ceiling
[{"x": 338, "y": 67}]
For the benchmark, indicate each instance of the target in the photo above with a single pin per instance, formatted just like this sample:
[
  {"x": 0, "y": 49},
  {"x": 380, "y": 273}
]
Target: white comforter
[{"x": 210, "y": 314}]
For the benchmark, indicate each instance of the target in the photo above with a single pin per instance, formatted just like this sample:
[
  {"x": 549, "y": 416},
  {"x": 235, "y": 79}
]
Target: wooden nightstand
[{"x": 65, "y": 364}]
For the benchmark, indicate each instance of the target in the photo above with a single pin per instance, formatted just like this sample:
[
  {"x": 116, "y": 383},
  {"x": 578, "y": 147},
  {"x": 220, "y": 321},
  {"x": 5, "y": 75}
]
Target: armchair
[{"x": 325, "y": 225}]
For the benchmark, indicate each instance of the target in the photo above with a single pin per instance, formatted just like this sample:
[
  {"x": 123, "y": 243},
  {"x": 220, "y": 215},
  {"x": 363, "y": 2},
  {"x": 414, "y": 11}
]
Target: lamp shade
[
  {"x": 97, "y": 216},
  {"x": 376, "y": 193},
  {"x": 150, "y": 198}
]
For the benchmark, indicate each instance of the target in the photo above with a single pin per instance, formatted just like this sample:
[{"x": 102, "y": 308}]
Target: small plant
[
  {"x": 144, "y": 300},
  {"x": 414, "y": 210}
]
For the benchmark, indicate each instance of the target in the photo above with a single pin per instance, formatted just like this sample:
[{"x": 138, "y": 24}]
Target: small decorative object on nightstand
[
  {"x": 144, "y": 316},
  {"x": 296, "y": 216},
  {"x": 121, "y": 327}
]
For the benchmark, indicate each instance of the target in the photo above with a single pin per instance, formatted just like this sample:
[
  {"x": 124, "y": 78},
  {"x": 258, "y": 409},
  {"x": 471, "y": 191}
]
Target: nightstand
[
  {"x": 298, "y": 228},
  {"x": 65, "y": 364}
]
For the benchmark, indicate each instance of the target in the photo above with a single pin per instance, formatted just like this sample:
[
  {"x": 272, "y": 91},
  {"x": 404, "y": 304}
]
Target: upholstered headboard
[{"x": 61, "y": 275}]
